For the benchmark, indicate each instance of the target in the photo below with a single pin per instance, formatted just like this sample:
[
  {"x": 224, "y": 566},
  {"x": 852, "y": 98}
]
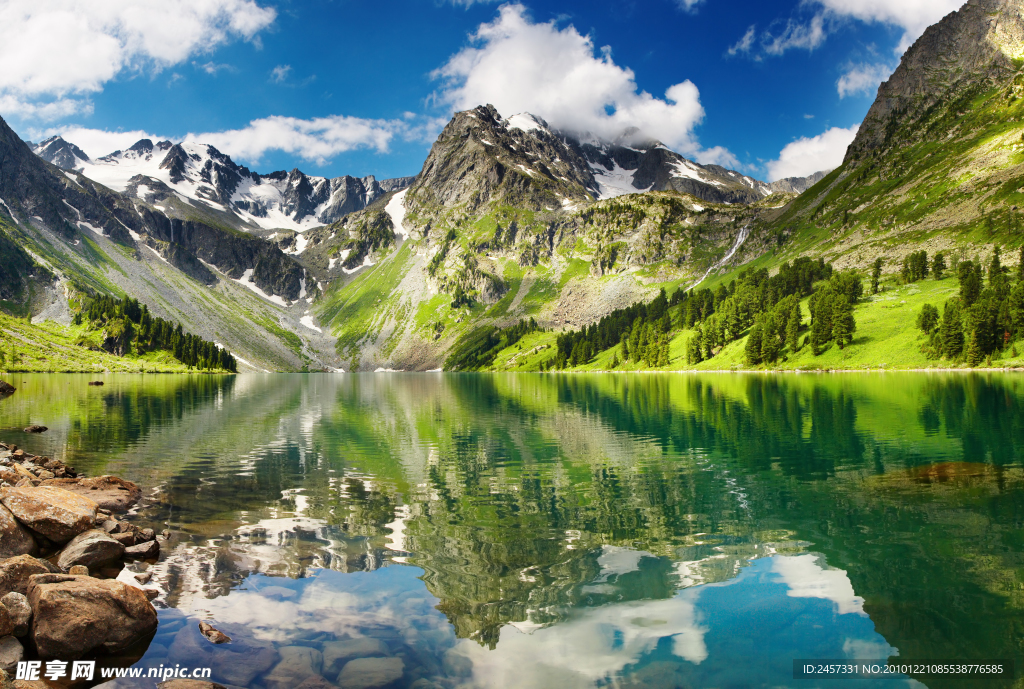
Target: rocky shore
[{"x": 61, "y": 547}]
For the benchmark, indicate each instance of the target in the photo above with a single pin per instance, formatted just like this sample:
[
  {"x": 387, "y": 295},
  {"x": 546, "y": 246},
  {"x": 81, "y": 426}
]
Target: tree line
[
  {"x": 985, "y": 318},
  {"x": 128, "y": 325}
]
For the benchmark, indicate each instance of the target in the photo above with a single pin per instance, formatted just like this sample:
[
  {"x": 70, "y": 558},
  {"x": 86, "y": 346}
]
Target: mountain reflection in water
[{"x": 546, "y": 530}]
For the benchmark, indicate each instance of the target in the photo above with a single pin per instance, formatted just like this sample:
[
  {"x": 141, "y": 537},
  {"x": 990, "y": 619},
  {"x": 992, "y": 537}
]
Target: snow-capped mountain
[{"x": 199, "y": 174}]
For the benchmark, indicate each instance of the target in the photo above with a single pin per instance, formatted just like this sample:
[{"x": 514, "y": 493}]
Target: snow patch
[
  {"x": 310, "y": 323},
  {"x": 366, "y": 264},
  {"x": 301, "y": 242},
  {"x": 246, "y": 281},
  {"x": 10, "y": 212},
  {"x": 615, "y": 182},
  {"x": 524, "y": 121},
  {"x": 396, "y": 211}
]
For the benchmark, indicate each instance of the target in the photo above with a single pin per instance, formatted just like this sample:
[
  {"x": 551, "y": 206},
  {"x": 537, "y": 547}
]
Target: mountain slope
[
  {"x": 65, "y": 234},
  {"x": 939, "y": 161}
]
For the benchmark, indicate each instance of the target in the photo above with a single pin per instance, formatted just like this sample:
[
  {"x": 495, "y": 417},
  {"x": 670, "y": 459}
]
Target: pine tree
[
  {"x": 842, "y": 321},
  {"x": 974, "y": 353},
  {"x": 615, "y": 360},
  {"x": 754, "y": 345},
  {"x": 951, "y": 331},
  {"x": 793, "y": 328},
  {"x": 876, "y": 274},
  {"x": 938, "y": 265}
]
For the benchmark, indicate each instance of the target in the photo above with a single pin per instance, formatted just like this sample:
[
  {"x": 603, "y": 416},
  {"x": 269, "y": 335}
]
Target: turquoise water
[{"x": 536, "y": 530}]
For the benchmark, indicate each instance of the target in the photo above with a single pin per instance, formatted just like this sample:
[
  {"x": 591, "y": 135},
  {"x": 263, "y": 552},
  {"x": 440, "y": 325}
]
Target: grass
[{"x": 52, "y": 348}]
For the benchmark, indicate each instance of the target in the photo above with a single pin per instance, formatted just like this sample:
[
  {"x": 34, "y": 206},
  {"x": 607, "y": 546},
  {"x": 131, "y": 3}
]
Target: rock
[
  {"x": 96, "y": 382},
  {"x": 15, "y": 539},
  {"x": 11, "y": 652},
  {"x": 190, "y": 684},
  {"x": 44, "y": 475},
  {"x": 79, "y": 570},
  {"x": 213, "y": 634},
  {"x": 55, "y": 513},
  {"x": 364, "y": 673},
  {"x": 143, "y": 535},
  {"x": 6, "y": 389},
  {"x": 126, "y": 539},
  {"x": 15, "y": 572},
  {"x": 337, "y": 653},
  {"x": 30, "y": 684},
  {"x": 143, "y": 577},
  {"x": 143, "y": 551},
  {"x": 109, "y": 492},
  {"x": 153, "y": 594},
  {"x": 93, "y": 549},
  {"x": 19, "y": 610},
  {"x": 315, "y": 682},
  {"x": 36, "y": 429},
  {"x": 74, "y": 615},
  {"x": 237, "y": 663},
  {"x": 298, "y": 663},
  {"x": 6, "y": 622}
]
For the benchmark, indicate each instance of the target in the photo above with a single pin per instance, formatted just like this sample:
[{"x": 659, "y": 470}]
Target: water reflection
[{"x": 538, "y": 530}]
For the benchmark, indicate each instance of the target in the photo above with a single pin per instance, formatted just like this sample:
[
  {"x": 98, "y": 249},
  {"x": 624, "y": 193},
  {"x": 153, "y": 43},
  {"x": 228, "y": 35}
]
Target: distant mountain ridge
[{"x": 200, "y": 173}]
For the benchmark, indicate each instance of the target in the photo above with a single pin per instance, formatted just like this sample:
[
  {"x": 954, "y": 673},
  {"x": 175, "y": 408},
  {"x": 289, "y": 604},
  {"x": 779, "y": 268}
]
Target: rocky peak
[
  {"x": 975, "y": 46},
  {"x": 61, "y": 153}
]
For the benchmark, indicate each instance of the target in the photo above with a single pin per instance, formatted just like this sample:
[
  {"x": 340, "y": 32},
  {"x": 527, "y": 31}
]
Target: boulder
[
  {"x": 55, "y": 513},
  {"x": 298, "y": 663},
  {"x": 365, "y": 673},
  {"x": 36, "y": 429},
  {"x": 19, "y": 610},
  {"x": 337, "y": 653},
  {"x": 75, "y": 615},
  {"x": 15, "y": 572},
  {"x": 95, "y": 382},
  {"x": 109, "y": 492},
  {"x": 6, "y": 389},
  {"x": 15, "y": 539},
  {"x": 143, "y": 551},
  {"x": 237, "y": 663},
  {"x": 11, "y": 652},
  {"x": 6, "y": 623},
  {"x": 127, "y": 539},
  {"x": 79, "y": 570},
  {"x": 315, "y": 682},
  {"x": 92, "y": 549}
]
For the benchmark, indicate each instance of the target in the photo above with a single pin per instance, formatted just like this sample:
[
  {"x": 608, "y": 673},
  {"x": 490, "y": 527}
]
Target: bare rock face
[
  {"x": 15, "y": 539},
  {"x": 109, "y": 492},
  {"x": 55, "y": 513},
  {"x": 19, "y": 610},
  {"x": 75, "y": 615},
  {"x": 92, "y": 549},
  {"x": 15, "y": 573}
]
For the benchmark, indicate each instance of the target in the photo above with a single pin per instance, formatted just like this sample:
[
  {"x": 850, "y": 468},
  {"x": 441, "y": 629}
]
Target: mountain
[
  {"x": 797, "y": 185},
  {"x": 187, "y": 176},
  {"x": 63, "y": 235}
]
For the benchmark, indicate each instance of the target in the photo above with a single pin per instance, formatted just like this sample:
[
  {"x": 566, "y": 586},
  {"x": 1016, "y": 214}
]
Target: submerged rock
[
  {"x": 15, "y": 539},
  {"x": 237, "y": 663},
  {"x": 36, "y": 429},
  {"x": 298, "y": 663},
  {"x": 19, "y": 610},
  {"x": 109, "y": 492},
  {"x": 74, "y": 615},
  {"x": 92, "y": 549},
  {"x": 6, "y": 389},
  {"x": 15, "y": 573},
  {"x": 337, "y": 653},
  {"x": 365, "y": 673},
  {"x": 55, "y": 513}
]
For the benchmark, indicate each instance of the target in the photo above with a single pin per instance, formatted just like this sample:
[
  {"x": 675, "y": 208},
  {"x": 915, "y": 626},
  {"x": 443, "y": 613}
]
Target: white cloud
[
  {"x": 280, "y": 73},
  {"x": 212, "y": 68},
  {"x": 797, "y": 35},
  {"x": 806, "y": 156},
  {"x": 913, "y": 16},
  {"x": 53, "y": 49},
  {"x": 519, "y": 65},
  {"x": 688, "y": 5},
  {"x": 470, "y": 3},
  {"x": 862, "y": 79},
  {"x": 744, "y": 44},
  {"x": 806, "y": 577},
  {"x": 95, "y": 142}
]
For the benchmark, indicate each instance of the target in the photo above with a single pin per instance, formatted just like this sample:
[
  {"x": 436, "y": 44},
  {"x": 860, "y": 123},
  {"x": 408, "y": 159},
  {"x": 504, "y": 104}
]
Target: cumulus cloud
[
  {"x": 808, "y": 155},
  {"x": 553, "y": 72},
  {"x": 862, "y": 79},
  {"x": 63, "y": 50},
  {"x": 95, "y": 142}
]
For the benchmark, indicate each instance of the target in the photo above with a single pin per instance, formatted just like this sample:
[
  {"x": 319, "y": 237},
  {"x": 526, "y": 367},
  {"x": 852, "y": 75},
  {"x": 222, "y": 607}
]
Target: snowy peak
[
  {"x": 198, "y": 173},
  {"x": 61, "y": 153},
  {"x": 526, "y": 122}
]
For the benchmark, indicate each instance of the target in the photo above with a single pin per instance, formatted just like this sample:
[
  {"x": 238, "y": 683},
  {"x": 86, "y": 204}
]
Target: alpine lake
[{"x": 545, "y": 530}]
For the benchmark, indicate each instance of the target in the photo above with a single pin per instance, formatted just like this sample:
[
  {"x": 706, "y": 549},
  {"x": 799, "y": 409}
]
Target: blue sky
[{"x": 344, "y": 87}]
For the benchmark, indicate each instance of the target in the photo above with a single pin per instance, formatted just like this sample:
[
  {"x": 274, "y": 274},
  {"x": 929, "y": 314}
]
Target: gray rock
[
  {"x": 337, "y": 653},
  {"x": 92, "y": 549},
  {"x": 298, "y": 663},
  {"x": 11, "y": 652},
  {"x": 15, "y": 539},
  {"x": 237, "y": 663},
  {"x": 365, "y": 673},
  {"x": 19, "y": 610}
]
